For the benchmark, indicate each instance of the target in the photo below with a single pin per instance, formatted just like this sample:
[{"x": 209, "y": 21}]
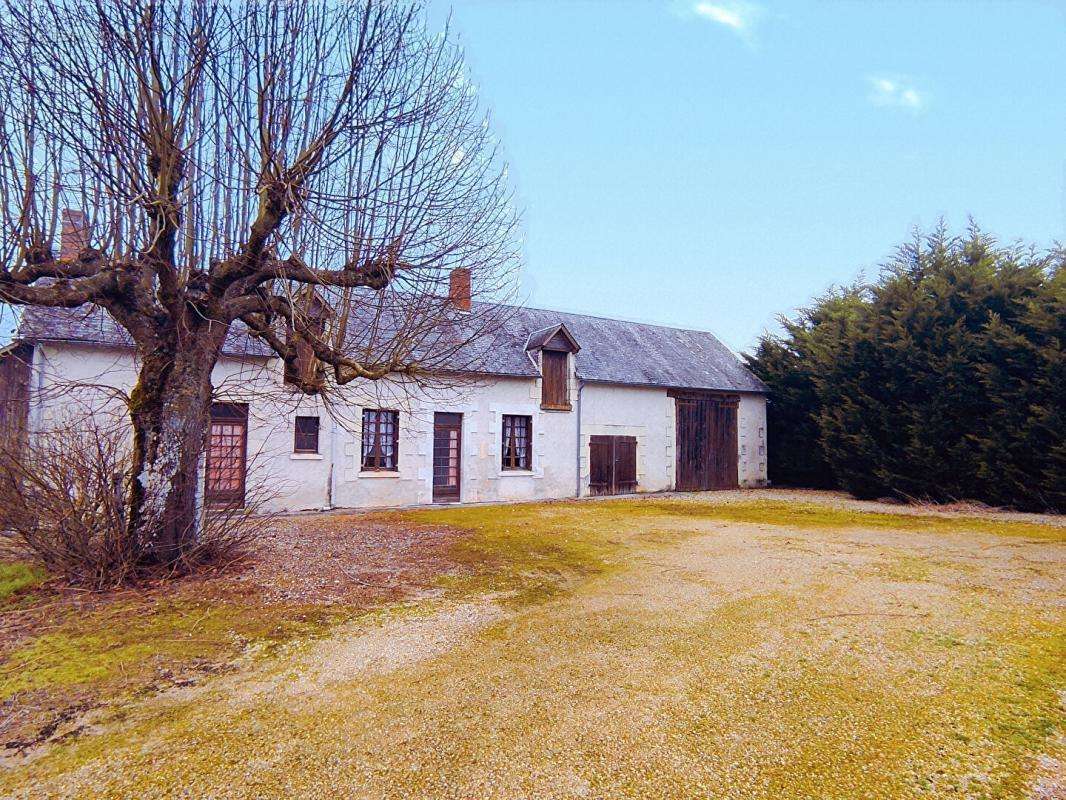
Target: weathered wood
[
  {"x": 706, "y": 448},
  {"x": 612, "y": 465},
  {"x": 15, "y": 370},
  {"x": 555, "y": 391}
]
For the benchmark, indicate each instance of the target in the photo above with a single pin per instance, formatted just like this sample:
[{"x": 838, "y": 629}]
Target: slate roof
[
  {"x": 612, "y": 350},
  {"x": 93, "y": 325}
]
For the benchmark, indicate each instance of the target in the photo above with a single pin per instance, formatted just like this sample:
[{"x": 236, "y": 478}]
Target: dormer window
[
  {"x": 555, "y": 388},
  {"x": 311, "y": 315},
  {"x": 555, "y": 345}
]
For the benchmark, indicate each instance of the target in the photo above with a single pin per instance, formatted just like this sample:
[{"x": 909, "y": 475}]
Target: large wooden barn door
[
  {"x": 227, "y": 454},
  {"x": 706, "y": 442},
  {"x": 447, "y": 457},
  {"x": 612, "y": 464}
]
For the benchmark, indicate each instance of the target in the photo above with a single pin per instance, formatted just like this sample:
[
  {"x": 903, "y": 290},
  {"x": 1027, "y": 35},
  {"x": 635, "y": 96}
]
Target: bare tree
[{"x": 307, "y": 173}]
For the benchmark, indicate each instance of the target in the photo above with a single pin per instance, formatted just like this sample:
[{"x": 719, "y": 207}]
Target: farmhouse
[{"x": 559, "y": 405}]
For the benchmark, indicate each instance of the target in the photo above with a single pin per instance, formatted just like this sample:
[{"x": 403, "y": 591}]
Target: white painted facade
[{"x": 72, "y": 380}]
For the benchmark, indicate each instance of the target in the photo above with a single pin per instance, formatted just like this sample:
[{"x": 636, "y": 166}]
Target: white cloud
[
  {"x": 739, "y": 17},
  {"x": 896, "y": 92}
]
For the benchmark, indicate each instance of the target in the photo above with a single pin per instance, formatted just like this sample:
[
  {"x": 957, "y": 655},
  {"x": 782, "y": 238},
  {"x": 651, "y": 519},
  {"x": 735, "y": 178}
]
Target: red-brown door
[
  {"x": 227, "y": 454},
  {"x": 612, "y": 464},
  {"x": 447, "y": 457}
]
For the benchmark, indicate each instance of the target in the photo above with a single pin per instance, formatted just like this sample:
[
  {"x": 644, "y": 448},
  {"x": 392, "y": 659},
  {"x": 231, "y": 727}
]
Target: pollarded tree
[{"x": 311, "y": 172}]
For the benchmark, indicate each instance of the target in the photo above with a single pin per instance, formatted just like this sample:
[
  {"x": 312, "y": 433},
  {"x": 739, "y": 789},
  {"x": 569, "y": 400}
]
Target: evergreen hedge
[{"x": 945, "y": 379}]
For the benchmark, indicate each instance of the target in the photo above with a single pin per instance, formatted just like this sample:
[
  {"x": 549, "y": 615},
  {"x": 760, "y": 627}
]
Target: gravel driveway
[{"x": 699, "y": 656}]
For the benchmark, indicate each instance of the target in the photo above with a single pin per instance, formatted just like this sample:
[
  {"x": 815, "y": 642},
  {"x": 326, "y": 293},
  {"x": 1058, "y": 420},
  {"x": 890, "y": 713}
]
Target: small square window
[
  {"x": 306, "y": 440},
  {"x": 517, "y": 442}
]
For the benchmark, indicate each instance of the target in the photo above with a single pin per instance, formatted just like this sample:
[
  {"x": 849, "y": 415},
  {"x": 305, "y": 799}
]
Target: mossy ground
[
  {"x": 652, "y": 648},
  {"x": 124, "y": 644},
  {"x": 17, "y": 577}
]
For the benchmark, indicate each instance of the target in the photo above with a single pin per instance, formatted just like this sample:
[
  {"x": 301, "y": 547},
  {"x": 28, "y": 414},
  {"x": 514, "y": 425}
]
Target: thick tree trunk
[{"x": 169, "y": 409}]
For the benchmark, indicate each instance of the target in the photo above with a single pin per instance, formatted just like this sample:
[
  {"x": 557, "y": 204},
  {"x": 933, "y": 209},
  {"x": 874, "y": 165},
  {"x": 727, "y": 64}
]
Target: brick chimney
[
  {"x": 459, "y": 289},
  {"x": 74, "y": 234}
]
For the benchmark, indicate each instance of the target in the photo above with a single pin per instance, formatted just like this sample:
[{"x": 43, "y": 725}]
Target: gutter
[
  {"x": 577, "y": 451},
  {"x": 35, "y": 415},
  {"x": 331, "y": 478}
]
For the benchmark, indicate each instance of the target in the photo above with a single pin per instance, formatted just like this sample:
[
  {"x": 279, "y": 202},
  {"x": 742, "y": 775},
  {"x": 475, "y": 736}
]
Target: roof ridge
[{"x": 611, "y": 319}]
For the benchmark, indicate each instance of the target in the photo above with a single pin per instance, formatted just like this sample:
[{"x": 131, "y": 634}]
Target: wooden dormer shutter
[
  {"x": 555, "y": 373},
  {"x": 307, "y": 370}
]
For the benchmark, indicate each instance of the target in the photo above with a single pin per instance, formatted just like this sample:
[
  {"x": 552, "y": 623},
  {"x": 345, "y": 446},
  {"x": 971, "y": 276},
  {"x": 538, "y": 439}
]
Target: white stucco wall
[
  {"x": 73, "y": 380},
  {"x": 751, "y": 439},
  {"x": 647, "y": 414}
]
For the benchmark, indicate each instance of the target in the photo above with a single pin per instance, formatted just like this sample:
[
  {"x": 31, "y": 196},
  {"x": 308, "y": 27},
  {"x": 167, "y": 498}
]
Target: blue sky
[{"x": 712, "y": 164}]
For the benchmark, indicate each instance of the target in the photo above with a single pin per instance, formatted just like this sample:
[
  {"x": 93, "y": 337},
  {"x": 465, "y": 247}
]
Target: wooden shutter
[
  {"x": 555, "y": 391},
  {"x": 612, "y": 464},
  {"x": 600, "y": 465}
]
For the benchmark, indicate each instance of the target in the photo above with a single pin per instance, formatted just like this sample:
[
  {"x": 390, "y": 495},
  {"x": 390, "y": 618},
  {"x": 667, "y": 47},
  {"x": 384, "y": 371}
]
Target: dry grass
[
  {"x": 651, "y": 649},
  {"x": 65, "y": 652}
]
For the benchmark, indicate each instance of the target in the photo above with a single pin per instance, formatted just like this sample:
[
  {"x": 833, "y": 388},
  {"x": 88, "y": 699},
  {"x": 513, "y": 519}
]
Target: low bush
[{"x": 61, "y": 507}]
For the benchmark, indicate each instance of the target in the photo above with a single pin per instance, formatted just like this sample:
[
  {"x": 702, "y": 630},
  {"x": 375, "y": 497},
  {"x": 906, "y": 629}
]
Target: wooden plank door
[
  {"x": 706, "y": 443},
  {"x": 612, "y": 464},
  {"x": 625, "y": 464},
  {"x": 227, "y": 455},
  {"x": 601, "y": 459},
  {"x": 447, "y": 457},
  {"x": 726, "y": 472},
  {"x": 694, "y": 453}
]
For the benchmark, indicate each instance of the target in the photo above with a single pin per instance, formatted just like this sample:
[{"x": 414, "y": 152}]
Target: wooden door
[
  {"x": 227, "y": 454},
  {"x": 706, "y": 442},
  {"x": 612, "y": 464},
  {"x": 447, "y": 457},
  {"x": 693, "y": 451},
  {"x": 724, "y": 430}
]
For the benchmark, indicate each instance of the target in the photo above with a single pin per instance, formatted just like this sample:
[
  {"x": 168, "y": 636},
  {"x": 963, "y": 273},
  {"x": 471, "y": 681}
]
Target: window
[
  {"x": 306, "y": 440},
  {"x": 555, "y": 390},
  {"x": 517, "y": 442},
  {"x": 380, "y": 431}
]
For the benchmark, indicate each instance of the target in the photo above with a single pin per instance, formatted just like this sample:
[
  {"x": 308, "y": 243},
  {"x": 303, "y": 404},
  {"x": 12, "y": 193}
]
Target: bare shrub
[
  {"x": 228, "y": 532},
  {"x": 62, "y": 506}
]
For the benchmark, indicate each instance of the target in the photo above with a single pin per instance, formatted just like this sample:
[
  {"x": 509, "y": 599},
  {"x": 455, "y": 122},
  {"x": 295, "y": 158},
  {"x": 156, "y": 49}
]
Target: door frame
[{"x": 456, "y": 425}]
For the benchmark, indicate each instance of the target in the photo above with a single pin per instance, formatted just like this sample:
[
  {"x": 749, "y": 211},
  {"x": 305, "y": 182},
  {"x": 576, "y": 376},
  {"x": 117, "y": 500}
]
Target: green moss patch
[
  {"x": 819, "y": 516},
  {"x": 127, "y": 644},
  {"x": 534, "y": 551},
  {"x": 18, "y": 576}
]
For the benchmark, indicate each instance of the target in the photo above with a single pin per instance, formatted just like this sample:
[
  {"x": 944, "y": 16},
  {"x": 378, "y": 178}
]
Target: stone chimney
[
  {"x": 74, "y": 234},
  {"x": 459, "y": 289}
]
